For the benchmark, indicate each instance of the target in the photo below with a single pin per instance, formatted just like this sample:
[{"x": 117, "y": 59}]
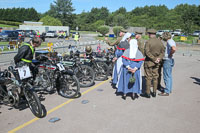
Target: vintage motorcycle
[
  {"x": 15, "y": 89},
  {"x": 107, "y": 58},
  {"x": 52, "y": 76},
  {"x": 84, "y": 73},
  {"x": 100, "y": 68}
]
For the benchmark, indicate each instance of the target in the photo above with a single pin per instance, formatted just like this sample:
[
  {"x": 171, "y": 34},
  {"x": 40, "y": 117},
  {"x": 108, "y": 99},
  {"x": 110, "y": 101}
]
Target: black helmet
[{"x": 88, "y": 49}]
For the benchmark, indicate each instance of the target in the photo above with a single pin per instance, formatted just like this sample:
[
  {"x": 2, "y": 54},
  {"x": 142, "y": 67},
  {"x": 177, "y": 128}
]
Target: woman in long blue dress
[
  {"x": 123, "y": 45},
  {"x": 132, "y": 61}
]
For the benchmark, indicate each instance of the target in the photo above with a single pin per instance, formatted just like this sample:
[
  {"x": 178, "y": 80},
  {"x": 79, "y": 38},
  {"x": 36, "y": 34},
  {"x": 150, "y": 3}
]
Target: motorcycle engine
[{"x": 42, "y": 80}]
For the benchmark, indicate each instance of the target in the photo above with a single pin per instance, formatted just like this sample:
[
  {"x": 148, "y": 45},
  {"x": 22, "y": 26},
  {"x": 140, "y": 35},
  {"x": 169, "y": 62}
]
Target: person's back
[
  {"x": 154, "y": 52},
  {"x": 153, "y": 49},
  {"x": 24, "y": 53}
]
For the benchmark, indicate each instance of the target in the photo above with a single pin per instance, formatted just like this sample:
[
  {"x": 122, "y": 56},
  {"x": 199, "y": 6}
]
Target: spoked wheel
[
  {"x": 85, "y": 75},
  {"x": 69, "y": 86},
  {"x": 3, "y": 94},
  {"x": 110, "y": 66},
  {"x": 101, "y": 72},
  {"x": 33, "y": 101},
  {"x": 10, "y": 98}
]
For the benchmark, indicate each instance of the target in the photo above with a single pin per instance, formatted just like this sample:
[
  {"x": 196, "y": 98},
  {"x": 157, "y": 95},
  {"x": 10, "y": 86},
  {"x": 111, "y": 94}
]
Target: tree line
[
  {"x": 19, "y": 14},
  {"x": 184, "y": 16}
]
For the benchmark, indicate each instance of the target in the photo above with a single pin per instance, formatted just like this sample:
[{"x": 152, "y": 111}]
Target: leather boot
[
  {"x": 148, "y": 86},
  {"x": 153, "y": 94}
]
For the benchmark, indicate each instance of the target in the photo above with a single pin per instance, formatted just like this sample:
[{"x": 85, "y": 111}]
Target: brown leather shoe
[{"x": 163, "y": 94}]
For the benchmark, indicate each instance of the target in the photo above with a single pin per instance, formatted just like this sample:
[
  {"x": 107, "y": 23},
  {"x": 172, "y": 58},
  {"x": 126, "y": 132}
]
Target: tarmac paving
[{"x": 99, "y": 110}]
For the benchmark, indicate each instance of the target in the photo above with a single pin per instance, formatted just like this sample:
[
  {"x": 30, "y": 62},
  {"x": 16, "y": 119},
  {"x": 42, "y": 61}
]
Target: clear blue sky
[{"x": 86, "y": 5}]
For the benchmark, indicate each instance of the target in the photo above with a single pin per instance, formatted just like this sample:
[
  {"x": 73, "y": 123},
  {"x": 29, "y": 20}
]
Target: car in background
[
  {"x": 21, "y": 32},
  {"x": 51, "y": 34},
  {"x": 9, "y": 35},
  {"x": 28, "y": 33},
  {"x": 176, "y": 32},
  {"x": 32, "y": 34},
  {"x": 160, "y": 32},
  {"x": 196, "y": 33}
]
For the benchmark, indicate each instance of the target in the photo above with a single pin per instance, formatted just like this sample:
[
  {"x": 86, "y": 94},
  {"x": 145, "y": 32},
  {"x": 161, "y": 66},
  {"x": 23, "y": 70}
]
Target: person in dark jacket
[{"x": 27, "y": 50}]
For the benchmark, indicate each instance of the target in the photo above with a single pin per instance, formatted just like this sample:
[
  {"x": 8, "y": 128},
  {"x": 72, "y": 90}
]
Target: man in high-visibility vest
[
  {"x": 76, "y": 37},
  {"x": 27, "y": 50},
  {"x": 64, "y": 35}
]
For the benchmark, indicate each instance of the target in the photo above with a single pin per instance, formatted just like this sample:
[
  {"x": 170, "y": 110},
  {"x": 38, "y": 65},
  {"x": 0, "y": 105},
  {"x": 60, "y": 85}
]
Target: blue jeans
[{"x": 167, "y": 74}]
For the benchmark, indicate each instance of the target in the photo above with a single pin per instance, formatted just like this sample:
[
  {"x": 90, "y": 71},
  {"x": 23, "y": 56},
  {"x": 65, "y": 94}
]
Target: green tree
[
  {"x": 121, "y": 10},
  {"x": 97, "y": 14},
  {"x": 103, "y": 30},
  {"x": 62, "y": 9},
  {"x": 120, "y": 20},
  {"x": 116, "y": 30},
  {"x": 47, "y": 20},
  {"x": 188, "y": 14}
]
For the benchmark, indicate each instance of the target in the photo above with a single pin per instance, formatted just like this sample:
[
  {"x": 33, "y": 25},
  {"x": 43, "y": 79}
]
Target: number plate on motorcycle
[
  {"x": 24, "y": 72},
  {"x": 61, "y": 67}
]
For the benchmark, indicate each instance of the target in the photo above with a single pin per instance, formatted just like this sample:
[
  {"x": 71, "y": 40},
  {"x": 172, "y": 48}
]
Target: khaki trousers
[{"x": 151, "y": 73}]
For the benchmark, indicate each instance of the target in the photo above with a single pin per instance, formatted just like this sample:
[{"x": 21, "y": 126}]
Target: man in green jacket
[
  {"x": 154, "y": 51},
  {"x": 115, "y": 43}
]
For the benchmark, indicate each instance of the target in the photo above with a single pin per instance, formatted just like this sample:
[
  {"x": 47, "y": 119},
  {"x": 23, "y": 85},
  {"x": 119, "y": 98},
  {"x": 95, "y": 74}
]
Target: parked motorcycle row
[{"x": 52, "y": 73}]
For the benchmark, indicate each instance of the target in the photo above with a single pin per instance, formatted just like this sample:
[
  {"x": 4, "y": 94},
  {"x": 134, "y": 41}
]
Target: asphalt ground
[
  {"x": 99, "y": 110},
  {"x": 104, "y": 112}
]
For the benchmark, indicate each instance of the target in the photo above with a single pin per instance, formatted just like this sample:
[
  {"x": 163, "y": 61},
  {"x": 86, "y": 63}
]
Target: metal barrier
[{"x": 60, "y": 46}]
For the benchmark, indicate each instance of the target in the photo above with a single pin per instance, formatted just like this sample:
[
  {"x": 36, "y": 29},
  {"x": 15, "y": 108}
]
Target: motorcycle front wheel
[
  {"x": 33, "y": 101},
  {"x": 69, "y": 86},
  {"x": 85, "y": 75},
  {"x": 101, "y": 71}
]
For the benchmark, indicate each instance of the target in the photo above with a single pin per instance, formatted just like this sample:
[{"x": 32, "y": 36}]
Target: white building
[{"x": 37, "y": 26}]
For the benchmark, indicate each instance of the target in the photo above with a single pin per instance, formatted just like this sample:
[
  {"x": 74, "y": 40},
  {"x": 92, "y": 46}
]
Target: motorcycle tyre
[
  {"x": 92, "y": 74},
  {"x": 106, "y": 68},
  {"x": 75, "y": 79},
  {"x": 28, "y": 93}
]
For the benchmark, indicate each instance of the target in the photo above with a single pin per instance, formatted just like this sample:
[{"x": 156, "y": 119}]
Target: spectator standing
[
  {"x": 76, "y": 37},
  {"x": 115, "y": 43},
  {"x": 123, "y": 45},
  {"x": 168, "y": 63},
  {"x": 130, "y": 80},
  {"x": 141, "y": 42},
  {"x": 154, "y": 51}
]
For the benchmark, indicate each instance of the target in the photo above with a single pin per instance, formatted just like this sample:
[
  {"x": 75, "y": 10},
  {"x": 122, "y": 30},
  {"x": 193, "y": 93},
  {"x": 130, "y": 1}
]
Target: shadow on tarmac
[{"x": 197, "y": 80}]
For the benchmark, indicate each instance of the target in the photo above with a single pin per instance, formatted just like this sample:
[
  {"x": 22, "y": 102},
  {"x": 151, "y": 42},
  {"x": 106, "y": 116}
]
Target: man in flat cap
[
  {"x": 121, "y": 34},
  {"x": 141, "y": 42},
  {"x": 154, "y": 52}
]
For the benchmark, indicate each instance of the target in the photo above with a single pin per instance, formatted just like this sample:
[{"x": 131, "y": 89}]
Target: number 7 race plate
[{"x": 24, "y": 72}]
